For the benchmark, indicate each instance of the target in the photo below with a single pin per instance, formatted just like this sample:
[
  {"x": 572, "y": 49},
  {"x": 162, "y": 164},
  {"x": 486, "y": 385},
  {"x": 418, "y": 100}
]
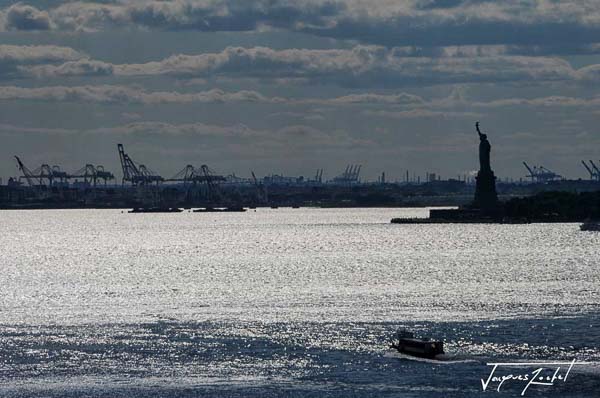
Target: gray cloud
[
  {"x": 82, "y": 67},
  {"x": 361, "y": 66},
  {"x": 423, "y": 113},
  {"x": 498, "y": 50},
  {"x": 90, "y": 16},
  {"x": 233, "y": 15},
  {"x": 442, "y": 23},
  {"x": 410, "y": 105},
  {"x": 37, "y": 54},
  {"x": 392, "y": 23},
  {"x": 204, "y": 15},
  {"x": 134, "y": 94},
  {"x": 194, "y": 129},
  {"x": 14, "y": 58},
  {"x": 542, "y": 102},
  {"x": 589, "y": 73},
  {"x": 411, "y": 101},
  {"x": 291, "y": 137},
  {"x": 124, "y": 94},
  {"x": 23, "y": 17},
  {"x": 370, "y": 98},
  {"x": 456, "y": 100}
]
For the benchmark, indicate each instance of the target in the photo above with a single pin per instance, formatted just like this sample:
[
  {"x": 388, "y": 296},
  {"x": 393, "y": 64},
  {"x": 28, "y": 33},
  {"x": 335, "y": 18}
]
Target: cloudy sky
[{"x": 289, "y": 86}]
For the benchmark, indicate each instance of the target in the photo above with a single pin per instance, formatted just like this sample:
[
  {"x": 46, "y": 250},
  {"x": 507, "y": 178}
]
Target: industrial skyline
[{"x": 134, "y": 173}]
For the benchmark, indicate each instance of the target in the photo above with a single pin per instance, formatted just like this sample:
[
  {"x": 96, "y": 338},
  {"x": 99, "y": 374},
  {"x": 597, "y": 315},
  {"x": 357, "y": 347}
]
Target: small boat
[
  {"x": 590, "y": 226},
  {"x": 407, "y": 343},
  {"x": 156, "y": 210}
]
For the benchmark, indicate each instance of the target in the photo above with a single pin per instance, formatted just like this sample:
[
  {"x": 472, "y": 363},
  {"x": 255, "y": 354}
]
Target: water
[{"x": 288, "y": 302}]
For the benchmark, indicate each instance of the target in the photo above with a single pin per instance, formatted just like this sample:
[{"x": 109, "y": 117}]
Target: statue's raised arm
[{"x": 478, "y": 131}]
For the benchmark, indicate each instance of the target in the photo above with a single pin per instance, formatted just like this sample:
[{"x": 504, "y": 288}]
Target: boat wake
[{"x": 439, "y": 359}]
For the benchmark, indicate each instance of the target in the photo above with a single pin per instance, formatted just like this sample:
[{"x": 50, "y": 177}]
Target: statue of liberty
[
  {"x": 486, "y": 197},
  {"x": 484, "y": 150}
]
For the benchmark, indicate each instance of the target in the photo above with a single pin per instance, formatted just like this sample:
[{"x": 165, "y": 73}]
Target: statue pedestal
[{"x": 486, "y": 197}]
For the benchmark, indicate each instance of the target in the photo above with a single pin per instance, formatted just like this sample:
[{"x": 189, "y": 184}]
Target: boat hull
[
  {"x": 221, "y": 210},
  {"x": 419, "y": 348},
  {"x": 590, "y": 226},
  {"x": 155, "y": 210}
]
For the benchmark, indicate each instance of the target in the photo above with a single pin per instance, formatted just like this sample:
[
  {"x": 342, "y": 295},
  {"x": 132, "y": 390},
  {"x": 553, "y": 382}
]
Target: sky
[{"x": 292, "y": 86}]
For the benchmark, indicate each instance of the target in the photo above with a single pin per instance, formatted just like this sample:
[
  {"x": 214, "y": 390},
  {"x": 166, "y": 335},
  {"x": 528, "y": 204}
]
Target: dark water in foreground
[{"x": 288, "y": 303}]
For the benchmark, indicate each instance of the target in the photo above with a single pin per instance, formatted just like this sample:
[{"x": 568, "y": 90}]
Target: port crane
[
  {"x": 52, "y": 174},
  {"x": 45, "y": 172},
  {"x": 592, "y": 169},
  {"x": 595, "y": 169},
  {"x": 541, "y": 174},
  {"x": 349, "y": 176},
  {"x": 134, "y": 173},
  {"x": 319, "y": 176},
  {"x": 92, "y": 174},
  {"x": 212, "y": 183},
  {"x": 261, "y": 191},
  {"x": 192, "y": 176},
  {"x": 186, "y": 175},
  {"x": 27, "y": 174}
]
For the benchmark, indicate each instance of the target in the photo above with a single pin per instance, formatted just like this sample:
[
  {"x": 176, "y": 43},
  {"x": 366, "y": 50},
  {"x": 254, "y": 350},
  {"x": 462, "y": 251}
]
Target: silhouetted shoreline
[{"x": 546, "y": 207}]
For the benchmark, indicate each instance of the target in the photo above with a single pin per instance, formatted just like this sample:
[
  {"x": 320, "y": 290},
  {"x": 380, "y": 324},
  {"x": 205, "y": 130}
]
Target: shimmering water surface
[{"x": 288, "y": 302}]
